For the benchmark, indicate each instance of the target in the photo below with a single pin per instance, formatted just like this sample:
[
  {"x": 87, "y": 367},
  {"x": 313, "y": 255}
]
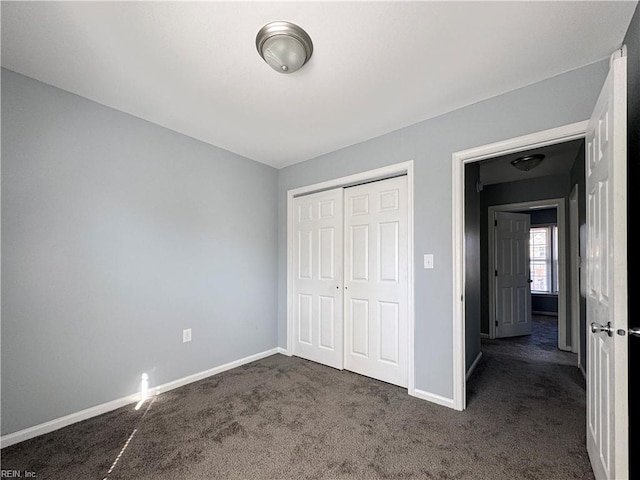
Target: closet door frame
[{"x": 404, "y": 168}]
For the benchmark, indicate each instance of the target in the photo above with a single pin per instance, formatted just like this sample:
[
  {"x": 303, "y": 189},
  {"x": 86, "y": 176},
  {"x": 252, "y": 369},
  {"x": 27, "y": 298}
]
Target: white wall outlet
[
  {"x": 186, "y": 335},
  {"x": 428, "y": 260}
]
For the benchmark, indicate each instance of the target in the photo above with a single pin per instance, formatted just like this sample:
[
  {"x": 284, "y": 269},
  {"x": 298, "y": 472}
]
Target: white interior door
[
  {"x": 512, "y": 277},
  {"x": 317, "y": 284},
  {"x": 606, "y": 263},
  {"x": 376, "y": 279}
]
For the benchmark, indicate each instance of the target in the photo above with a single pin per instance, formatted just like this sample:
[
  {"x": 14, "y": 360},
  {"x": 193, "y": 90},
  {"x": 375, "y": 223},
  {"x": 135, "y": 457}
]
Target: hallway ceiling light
[
  {"x": 527, "y": 162},
  {"x": 284, "y": 46}
]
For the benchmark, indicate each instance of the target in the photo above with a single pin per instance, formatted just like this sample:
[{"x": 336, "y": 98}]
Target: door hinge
[
  {"x": 496, "y": 323},
  {"x": 496, "y": 273},
  {"x": 495, "y": 223}
]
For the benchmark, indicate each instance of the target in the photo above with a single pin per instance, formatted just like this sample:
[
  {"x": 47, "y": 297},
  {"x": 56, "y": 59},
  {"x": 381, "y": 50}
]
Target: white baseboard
[
  {"x": 284, "y": 351},
  {"x": 473, "y": 366},
  {"x": 212, "y": 371},
  {"x": 58, "y": 423},
  {"x": 433, "y": 398}
]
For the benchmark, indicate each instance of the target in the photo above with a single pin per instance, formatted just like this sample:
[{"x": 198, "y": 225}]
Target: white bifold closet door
[
  {"x": 376, "y": 280},
  {"x": 318, "y": 285},
  {"x": 351, "y": 282}
]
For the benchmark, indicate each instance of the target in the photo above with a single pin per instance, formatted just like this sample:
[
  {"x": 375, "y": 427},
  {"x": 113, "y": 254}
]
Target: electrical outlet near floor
[{"x": 186, "y": 335}]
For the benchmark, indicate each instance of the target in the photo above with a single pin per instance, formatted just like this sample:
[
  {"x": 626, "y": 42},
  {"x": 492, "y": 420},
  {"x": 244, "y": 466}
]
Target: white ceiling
[{"x": 376, "y": 67}]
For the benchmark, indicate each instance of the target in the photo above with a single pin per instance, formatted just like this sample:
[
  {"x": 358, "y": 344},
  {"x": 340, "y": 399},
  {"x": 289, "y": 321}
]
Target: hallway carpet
[{"x": 285, "y": 418}]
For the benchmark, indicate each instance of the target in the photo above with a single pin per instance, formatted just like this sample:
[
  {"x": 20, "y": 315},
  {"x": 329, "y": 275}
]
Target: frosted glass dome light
[
  {"x": 284, "y": 46},
  {"x": 528, "y": 162}
]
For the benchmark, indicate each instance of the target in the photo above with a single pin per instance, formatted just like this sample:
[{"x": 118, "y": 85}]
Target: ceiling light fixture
[
  {"x": 527, "y": 162},
  {"x": 284, "y": 46}
]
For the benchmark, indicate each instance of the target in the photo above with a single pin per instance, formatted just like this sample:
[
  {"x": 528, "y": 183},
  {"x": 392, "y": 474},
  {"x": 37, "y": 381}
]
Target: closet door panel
[
  {"x": 317, "y": 284},
  {"x": 376, "y": 282}
]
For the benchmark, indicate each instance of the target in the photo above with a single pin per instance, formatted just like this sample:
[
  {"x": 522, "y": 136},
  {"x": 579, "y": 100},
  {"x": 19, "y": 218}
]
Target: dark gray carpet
[{"x": 286, "y": 418}]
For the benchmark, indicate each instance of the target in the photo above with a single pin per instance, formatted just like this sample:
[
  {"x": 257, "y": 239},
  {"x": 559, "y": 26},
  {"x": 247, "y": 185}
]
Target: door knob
[
  {"x": 596, "y": 328},
  {"x": 634, "y": 331}
]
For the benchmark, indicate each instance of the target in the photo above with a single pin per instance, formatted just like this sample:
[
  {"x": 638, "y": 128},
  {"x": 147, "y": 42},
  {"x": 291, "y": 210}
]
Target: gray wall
[
  {"x": 116, "y": 235},
  {"x": 544, "y": 304},
  {"x": 632, "y": 41},
  {"x": 557, "y": 101},
  {"x": 544, "y": 216}
]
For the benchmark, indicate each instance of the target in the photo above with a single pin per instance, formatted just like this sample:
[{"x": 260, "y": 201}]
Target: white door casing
[
  {"x": 543, "y": 138},
  {"x": 606, "y": 275},
  {"x": 376, "y": 280},
  {"x": 389, "y": 171},
  {"x": 512, "y": 277},
  {"x": 317, "y": 285},
  {"x": 316, "y": 233}
]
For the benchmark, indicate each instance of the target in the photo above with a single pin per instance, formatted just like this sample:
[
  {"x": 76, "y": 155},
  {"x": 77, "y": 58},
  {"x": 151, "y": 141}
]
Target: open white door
[
  {"x": 606, "y": 263},
  {"x": 512, "y": 280},
  {"x": 317, "y": 282}
]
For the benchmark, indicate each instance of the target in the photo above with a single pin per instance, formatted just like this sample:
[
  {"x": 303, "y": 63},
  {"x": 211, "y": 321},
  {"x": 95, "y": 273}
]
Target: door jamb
[
  {"x": 543, "y": 138},
  {"x": 558, "y": 203},
  {"x": 351, "y": 180},
  {"x": 575, "y": 269}
]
